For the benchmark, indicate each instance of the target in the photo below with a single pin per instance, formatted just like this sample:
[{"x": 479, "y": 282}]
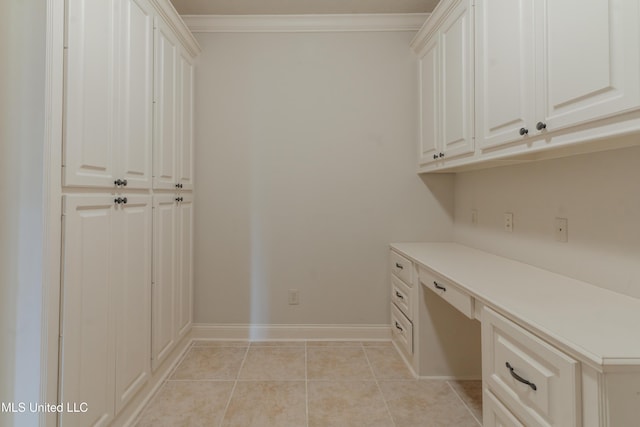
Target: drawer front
[
  {"x": 401, "y": 331},
  {"x": 401, "y": 296},
  {"x": 494, "y": 414},
  {"x": 401, "y": 267},
  {"x": 449, "y": 292},
  {"x": 537, "y": 382}
]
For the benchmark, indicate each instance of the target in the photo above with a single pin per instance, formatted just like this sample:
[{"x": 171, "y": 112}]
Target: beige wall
[
  {"x": 305, "y": 160},
  {"x": 22, "y": 49},
  {"x": 598, "y": 193}
]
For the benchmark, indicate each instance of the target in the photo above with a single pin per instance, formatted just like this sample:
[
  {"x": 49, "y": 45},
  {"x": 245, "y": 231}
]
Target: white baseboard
[
  {"x": 133, "y": 410},
  {"x": 291, "y": 332}
]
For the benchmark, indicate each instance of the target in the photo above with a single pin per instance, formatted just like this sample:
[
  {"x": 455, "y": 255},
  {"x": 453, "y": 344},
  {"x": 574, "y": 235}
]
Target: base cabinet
[
  {"x": 105, "y": 324},
  {"x": 542, "y": 363},
  {"x": 537, "y": 382}
]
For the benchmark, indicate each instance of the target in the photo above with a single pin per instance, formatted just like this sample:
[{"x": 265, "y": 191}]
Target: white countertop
[{"x": 595, "y": 325}]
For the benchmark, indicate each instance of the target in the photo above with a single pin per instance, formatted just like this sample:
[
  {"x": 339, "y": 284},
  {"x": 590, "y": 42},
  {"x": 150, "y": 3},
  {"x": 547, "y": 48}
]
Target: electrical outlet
[
  {"x": 474, "y": 217},
  {"x": 562, "y": 230},
  {"x": 508, "y": 222},
  {"x": 294, "y": 297}
]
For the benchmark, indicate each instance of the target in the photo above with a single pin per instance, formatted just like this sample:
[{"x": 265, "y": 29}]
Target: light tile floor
[{"x": 306, "y": 384}]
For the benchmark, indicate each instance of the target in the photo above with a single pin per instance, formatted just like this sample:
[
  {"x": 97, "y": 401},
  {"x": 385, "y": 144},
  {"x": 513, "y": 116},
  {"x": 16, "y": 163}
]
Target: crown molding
[
  {"x": 431, "y": 25},
  {"x": 304, "y": 23},
  {"x": 169, "y": 14}
]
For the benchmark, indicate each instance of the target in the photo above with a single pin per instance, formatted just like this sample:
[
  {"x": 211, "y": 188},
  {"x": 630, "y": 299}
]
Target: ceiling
[{"x": 300, "y": 7}]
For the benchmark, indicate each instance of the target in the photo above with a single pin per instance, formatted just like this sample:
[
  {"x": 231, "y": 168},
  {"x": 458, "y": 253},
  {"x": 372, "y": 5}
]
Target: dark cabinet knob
[
  {"x": 441, "y": 154},
  {"x": 180, "y": 185},
  {"x": 117, "y": 201},
  {"x": 524, "y": 131},
  {"x": 177, "y": 199},
  {"x": 124, "y": 183},
  {"x": 435, "y": 156},
  {"x": 124, "y": 200},
  {"x": 117, "y": 182},
  {"x": 541, "y": 126},
  {"x": 177, "y": 185}
]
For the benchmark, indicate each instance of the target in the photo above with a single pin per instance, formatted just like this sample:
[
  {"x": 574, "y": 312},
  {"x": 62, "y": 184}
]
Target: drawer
[
  {"x": 494, "y": 414},
  {"x": 401, "y": 296},
  {"x": 536, "y": 381},
  {"x": 401, "y": 267},
  {"x": 449, "y": 292},
  {"x": 401, "y": 331}
]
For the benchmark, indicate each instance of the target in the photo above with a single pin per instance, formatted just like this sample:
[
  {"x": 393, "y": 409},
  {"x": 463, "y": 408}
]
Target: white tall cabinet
[
  {"x": 172, "y": 273},
  {"x": 125, "y": 106}
]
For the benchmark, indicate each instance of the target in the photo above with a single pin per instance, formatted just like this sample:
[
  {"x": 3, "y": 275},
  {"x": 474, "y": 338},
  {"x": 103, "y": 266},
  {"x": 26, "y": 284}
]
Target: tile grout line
[
  {"x": 233, "y": 389},
  {"x": 375, "y": 377},
  {"x": 163, "y": 385},
  {"x": 306, "y": 383},
  {"x": 463, "y": 402}
]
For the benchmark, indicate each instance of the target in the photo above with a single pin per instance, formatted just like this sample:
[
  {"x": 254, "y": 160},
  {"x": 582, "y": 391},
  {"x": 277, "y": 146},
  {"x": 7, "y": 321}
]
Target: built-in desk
[{"x": 555, "y": 351}]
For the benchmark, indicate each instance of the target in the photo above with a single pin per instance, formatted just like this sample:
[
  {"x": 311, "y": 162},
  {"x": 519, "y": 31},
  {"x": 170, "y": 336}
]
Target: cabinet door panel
[
  {"x": 456, "y": 50},
  {"x": 591, "y": 64},
  {"x": 165, "y": 132},
  {"x": 164, "y": 277},
  {"x": 133, "y": 345},
  {"x": 137, "y": 93},
  {"x": 185, "y": 146},
  {"x": 90, "y": 115},
  {"x": 429, "y": 101},
  {"x": 505, "y": 64},
  {"x": 87, "y": 358},
  {"x": 185, "y": 272}
]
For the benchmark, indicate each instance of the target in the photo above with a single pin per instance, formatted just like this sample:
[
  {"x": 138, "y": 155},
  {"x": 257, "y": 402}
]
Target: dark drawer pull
[
  {"x": 442, "y": 288},
  {"x": 399, "y": 327},
  {"x": 399, "y": 295},
  {"x": 519, "y": 378},
  {"x": 399, "y": 266}
]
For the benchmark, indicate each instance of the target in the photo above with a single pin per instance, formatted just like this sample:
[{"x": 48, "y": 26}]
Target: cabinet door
[
  {"x": 89, "y": 156},
  {"x": 133, "y": 303},
  {"x": 429, "y": 101},
  {"x": 185, "y": 105},
  {"x": 136, "y": 88},
  {"x": 166, "y": 102},
  {"x": 456, "y": 65},
  {"x": 590, "y": 59},
  {"x": 184, "y": 295},
  {"x": 87, "y": 360},
  {"x": 505, "y": 65},
  {"x": 163, "y": 291}
]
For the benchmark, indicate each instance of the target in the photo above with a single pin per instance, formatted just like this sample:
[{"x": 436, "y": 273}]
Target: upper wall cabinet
[
  {"x": 173, "y": 139},
  {"x": 505, "y": 82},
  {"x": 108, "y": 117},
  {"x": 546, "y": 83},
  {"x": 539, "y": 69},
  {"x": 445, "y": 46}
]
